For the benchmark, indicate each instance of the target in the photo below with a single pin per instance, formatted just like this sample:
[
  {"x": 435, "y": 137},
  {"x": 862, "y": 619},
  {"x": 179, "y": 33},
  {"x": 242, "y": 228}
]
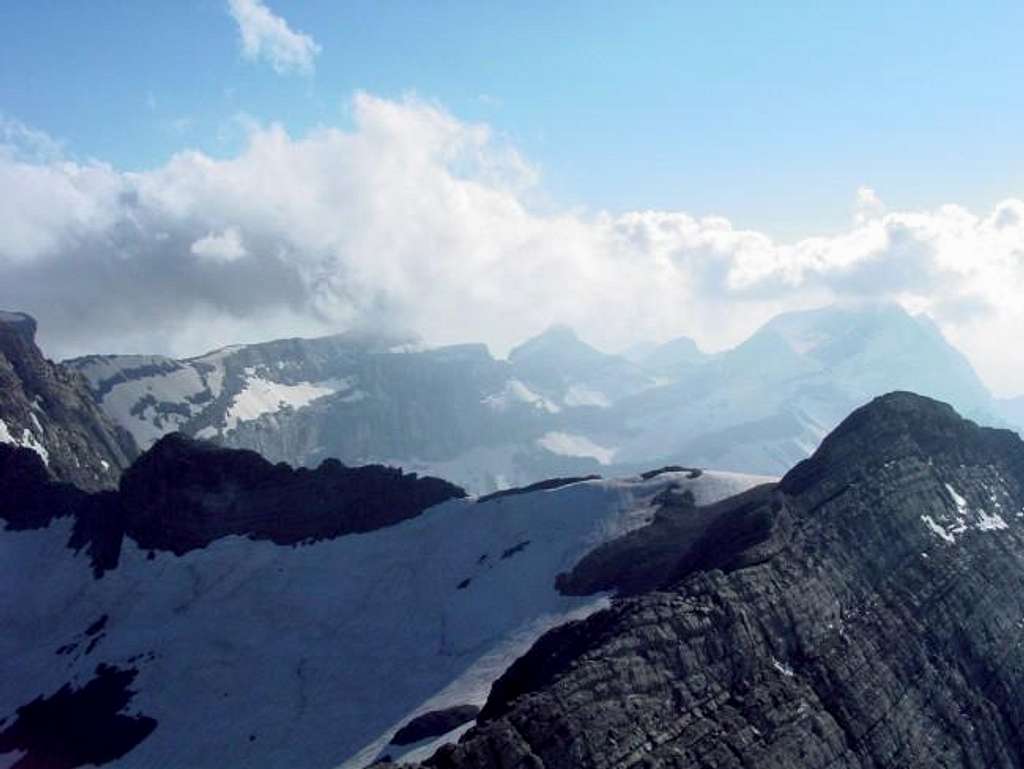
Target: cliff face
[
  {"x": 49, "y": 409},
  {"x": 183, "y": 494},
  {"x": 866, "y": 612}
]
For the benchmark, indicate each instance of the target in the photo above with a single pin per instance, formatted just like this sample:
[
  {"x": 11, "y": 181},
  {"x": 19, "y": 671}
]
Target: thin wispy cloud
[
  {"x": 266, "y": 36},
  {"x": 18, "y": 139},
  {"x": 416, "y": 220}
]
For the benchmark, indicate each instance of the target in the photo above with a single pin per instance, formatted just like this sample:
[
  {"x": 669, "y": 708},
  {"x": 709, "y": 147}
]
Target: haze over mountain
[
  {"x": 517, "y": 385},
  {"x": 556, "y": 406}
]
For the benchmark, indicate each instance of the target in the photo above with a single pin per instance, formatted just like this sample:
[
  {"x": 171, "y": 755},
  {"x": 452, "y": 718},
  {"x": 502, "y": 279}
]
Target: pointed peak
[
  {"x": 19, "y": 322},
  {"x": 557, "y": 332},
  {"x": 897, "y": 425},
  {"x": 556, "y": 339}
]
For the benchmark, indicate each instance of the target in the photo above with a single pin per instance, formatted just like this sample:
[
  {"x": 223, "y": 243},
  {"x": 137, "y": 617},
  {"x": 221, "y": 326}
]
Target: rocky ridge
[
  {"x": 865, "y": 612},
  {"x": 184, "y": 494},
  {"x": 275, "y": 602},
  {"x": 49, "y": 409}
]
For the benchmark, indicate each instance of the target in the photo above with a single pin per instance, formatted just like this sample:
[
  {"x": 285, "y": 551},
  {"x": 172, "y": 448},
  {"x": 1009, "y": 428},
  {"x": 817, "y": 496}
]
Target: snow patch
[
  {"x": 261, "y": 396},
  {"x": 961, "y": 503},
  {"x": 938, "y": 530},
  {"x": 993, "y": 522},
  {"x": 27, "y": 441},
  {"x": 580, "y": 395},
  {"x": 786, "y": 670},
  {"x": 569, "y": 445},
  {"x": 515, "y": 392},
  {"x": 983, "y": 520},
  {"x": 353, "y": 397}
]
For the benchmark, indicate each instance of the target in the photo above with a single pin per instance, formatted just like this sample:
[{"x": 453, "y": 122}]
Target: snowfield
[
  {"x": 27, "y": 440},
  {"x": 250, "y": 653},
  {"x": 261, "y": 396}
]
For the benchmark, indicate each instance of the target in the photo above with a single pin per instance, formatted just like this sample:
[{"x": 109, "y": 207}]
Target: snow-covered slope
[
  {"x": 248, "y": 653},
  {"x": 556, "y": 407}
]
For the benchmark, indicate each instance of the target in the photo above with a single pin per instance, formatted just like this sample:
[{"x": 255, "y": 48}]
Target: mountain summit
[
  {"x": 48, "y": 408},
  {"x": 863, "y": 613}
]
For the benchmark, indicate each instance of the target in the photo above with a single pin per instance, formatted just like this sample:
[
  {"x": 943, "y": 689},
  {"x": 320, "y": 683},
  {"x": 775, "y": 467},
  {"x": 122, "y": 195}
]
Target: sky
[{"x": 177, "y": 176}]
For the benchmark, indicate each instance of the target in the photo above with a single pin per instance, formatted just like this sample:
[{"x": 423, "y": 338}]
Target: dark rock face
[
  {"x": 548, "y": 485},
  {"x": 183, "y": 494},
  {"x": 50, "y": 408},
  {"x": 30, "y": 499},
  {"x": 682, "y": 538},
  {"x": 867, "y": 613},
  {"x": 434, "y": 724},
  {"x": 78, "y": 726},
  {"x": 692, "y": 472}
]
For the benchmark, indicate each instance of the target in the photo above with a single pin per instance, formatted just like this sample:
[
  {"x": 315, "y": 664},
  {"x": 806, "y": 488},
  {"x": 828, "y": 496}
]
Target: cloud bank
[
  {"x": 268, "y": 37},
  {"x": 417, "y": 220}
]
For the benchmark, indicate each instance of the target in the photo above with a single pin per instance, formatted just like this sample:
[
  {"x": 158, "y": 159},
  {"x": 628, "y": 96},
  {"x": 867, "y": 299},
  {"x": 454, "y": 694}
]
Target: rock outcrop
[
  {"x": 868, "y": 612},
  {"x": 434, "y": 724},
  {"x": 49, "y": 408},
  {"x": 183, "y": 494}
]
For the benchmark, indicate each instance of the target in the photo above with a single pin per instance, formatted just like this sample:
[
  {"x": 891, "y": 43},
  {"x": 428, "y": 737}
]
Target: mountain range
[
  {"x": 556, "y": 406},
  {"x": 197, "y": 604}
]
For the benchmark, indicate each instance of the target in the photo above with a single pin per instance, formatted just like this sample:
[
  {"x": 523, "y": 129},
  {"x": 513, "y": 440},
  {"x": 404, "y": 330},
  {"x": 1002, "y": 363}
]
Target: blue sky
[
  {"x": 240, "y": 170},
  {"x": 770, "y": 113}
]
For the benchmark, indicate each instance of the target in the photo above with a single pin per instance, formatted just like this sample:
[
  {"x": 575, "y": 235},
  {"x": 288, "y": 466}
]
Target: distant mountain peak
[
  {"x": 17, "y": 334},
  {"x": 19, "y": 320},
  {"x": 557, "y": 337}
]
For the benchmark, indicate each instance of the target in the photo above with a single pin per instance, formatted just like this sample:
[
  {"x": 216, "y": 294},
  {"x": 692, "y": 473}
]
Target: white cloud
[
  {"x": 267, "y": 36},
  {"x": 417, "y": 220},
  {"x": 16, "y": 138},
  {"x": 225, "y": 247},
  {"x": 869, "y": 205}
]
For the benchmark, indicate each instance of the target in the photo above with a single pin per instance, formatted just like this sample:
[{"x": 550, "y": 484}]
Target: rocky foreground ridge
[
  {"x": 867, "y": 611},
  {"x": 49, "y": 409}
]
